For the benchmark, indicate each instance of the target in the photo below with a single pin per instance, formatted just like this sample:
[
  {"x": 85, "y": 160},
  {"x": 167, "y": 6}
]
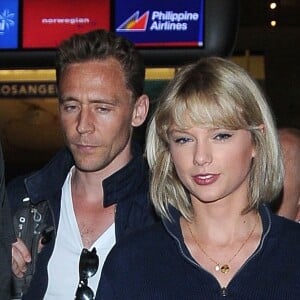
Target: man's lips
[
  {"x": 85, "y": 147},
  {"x": 206, "y": 179},
  {"x": 83, "y": 144}
]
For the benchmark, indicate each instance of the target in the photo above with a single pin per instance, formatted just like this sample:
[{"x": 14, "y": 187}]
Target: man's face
[{"x": 97, "y": 114}]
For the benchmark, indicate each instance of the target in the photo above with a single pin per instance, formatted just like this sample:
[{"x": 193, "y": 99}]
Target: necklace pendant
[
  {"x": 217, "y": 267},
  {"x": 225, "y": 269}
]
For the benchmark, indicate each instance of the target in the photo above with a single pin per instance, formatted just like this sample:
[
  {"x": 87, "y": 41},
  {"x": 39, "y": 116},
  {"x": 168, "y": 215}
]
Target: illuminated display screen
[
  {"x": 167, "y": 32},
  {"x": 46, "y": 23},
  {"x": 158, "y": 23},
  {"x": 9, "y": 23}
]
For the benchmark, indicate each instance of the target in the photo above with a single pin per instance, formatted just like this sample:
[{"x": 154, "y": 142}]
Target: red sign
[{"x": 47, "y": 22}]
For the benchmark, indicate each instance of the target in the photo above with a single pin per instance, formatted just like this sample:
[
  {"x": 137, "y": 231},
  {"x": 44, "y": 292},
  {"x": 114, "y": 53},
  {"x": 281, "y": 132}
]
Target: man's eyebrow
[
  {"x": 64, "y": 99},
  {"x": 112, "y": 101}
]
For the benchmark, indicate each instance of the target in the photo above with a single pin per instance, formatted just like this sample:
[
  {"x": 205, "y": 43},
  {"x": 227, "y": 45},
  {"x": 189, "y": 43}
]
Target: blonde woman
[{"x": 213, "y": 151}]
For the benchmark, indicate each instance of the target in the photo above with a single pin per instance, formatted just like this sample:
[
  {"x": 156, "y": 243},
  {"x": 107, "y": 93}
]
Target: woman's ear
[
  {"x": 298, "y": 212},
  {"x": 262, "y": 128},
  {"x": 140, "y": 111}
]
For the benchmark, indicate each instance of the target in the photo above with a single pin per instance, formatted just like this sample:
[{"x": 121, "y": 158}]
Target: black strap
[{"x": 30, "y": 227}]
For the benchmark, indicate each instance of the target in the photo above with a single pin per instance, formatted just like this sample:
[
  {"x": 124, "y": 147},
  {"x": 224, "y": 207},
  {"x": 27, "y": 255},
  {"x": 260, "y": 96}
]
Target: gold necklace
[{"x": 218, "y": 267}]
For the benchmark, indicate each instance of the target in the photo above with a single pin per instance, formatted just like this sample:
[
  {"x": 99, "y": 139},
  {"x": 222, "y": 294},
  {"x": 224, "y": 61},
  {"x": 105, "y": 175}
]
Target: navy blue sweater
[{"x": 155, "y": 264}]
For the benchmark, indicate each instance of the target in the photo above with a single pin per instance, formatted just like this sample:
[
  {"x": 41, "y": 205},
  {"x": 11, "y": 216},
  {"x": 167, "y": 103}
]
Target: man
[
  {"x": 6, "y": 237},
  {"x": 100, "y": 193},
  {"x": 289, "y": 203}
]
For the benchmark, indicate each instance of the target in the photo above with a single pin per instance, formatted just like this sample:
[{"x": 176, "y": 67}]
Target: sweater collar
[{"x": 174, "y": 229}]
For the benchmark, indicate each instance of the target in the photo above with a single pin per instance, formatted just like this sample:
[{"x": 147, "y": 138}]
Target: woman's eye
[
  {"x": 182, "y": 140},
  {"x": 222, "y": 136}
]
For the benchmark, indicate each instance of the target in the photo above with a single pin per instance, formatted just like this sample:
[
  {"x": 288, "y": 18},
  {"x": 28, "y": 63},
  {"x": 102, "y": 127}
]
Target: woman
[{"x": 215, "y": 161}]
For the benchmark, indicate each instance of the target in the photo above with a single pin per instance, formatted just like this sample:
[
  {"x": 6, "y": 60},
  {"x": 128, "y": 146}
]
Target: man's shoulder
[
  {"x": 41, "y": 181},
  {"x": 16, "y": 189},
  {"x": 141, "y": 239}
]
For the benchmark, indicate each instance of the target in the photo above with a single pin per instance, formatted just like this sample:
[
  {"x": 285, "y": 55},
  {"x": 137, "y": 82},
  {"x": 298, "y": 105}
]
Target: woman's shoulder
[
  {"x": 287, "y": 230},
  {"x": 286, "y": 223}
]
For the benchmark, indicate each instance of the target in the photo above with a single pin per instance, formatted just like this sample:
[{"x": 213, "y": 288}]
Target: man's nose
[{"x": 85, "y": 121}]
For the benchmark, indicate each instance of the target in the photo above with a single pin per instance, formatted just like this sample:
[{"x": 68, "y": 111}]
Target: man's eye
[
  {"x": 103, "y": 109},
  {"x": 70, "y": 108}
]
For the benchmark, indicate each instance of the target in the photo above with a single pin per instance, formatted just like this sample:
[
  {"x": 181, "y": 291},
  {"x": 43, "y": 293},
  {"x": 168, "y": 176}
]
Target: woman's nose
[{"x": 203, "y": 154}]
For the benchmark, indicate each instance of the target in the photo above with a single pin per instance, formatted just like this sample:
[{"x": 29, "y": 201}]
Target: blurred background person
[
  {"x": 6, "y": 237},
  {"x": 288, "y": 204}
]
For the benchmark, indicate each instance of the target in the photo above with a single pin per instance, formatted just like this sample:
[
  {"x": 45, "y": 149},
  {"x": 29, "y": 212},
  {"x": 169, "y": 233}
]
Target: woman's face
[{"x": 212, "y": 163}]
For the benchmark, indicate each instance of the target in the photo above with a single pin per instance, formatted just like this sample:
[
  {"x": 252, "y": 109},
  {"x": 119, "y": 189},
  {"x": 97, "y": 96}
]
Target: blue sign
[
  {"x": 9, "y": 24},
  {"x": 157, "y": 23}
]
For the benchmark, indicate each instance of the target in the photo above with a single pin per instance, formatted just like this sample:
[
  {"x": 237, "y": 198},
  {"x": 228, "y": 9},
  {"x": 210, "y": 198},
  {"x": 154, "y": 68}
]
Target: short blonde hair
[{"x": 215, "y": 93}]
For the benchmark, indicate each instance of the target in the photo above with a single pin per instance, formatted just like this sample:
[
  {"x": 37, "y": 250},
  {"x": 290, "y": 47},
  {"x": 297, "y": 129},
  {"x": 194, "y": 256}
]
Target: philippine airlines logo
[
  {"x": 135, "y": 23},
  {"x": 6, "y": 20}
]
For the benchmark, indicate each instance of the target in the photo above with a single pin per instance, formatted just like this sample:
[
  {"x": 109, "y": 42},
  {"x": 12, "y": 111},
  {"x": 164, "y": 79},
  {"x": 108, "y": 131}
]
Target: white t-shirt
[{"x": 63, "y": 266}]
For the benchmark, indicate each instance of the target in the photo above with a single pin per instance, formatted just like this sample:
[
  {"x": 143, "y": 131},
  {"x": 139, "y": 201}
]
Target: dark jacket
[
  {"x": 6, "y": 237},
  {"x": 128, "y": 188},
  {"x": 155, "y": 264}
]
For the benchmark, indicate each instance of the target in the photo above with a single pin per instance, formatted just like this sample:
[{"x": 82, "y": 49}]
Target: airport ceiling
[{"x": 256, "y": 13}]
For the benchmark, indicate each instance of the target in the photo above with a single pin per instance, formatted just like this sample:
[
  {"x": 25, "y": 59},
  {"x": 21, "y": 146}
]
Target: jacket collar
[
  {"x": 122, "y": 184},
  {"x": 50, "y": 179}
]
